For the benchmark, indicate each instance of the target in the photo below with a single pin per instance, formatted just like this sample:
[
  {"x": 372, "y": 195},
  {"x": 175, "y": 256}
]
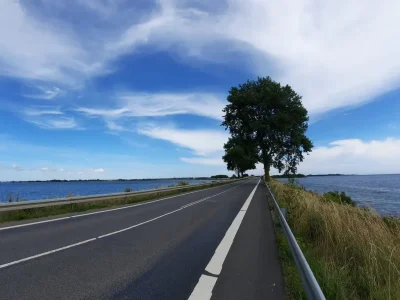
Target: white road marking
[
  {"x": 137, "y": 225},
  {"x": 104, "y": 211},
  {"x": 204, "y": 287},
  {"x": 29, "y": 224},
  {"x": 111, "y": 233},
  {"x": 45, "y": 253}
]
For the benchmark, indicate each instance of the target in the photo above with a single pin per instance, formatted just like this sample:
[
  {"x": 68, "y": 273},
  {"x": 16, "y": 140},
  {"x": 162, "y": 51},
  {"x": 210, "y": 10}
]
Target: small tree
[
  {"x": 239, "y": 156},
  {"x": 271, "y": 121}
]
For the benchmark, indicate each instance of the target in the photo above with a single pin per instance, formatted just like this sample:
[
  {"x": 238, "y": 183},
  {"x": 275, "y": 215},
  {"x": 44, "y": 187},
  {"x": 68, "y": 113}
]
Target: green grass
[
  {"x": 293, "y": 285},
  {"x": 32, "y": 213},
  {"x": 353, "y": 252}
]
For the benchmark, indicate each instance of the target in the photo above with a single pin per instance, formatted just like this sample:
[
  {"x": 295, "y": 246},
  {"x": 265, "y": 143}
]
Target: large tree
[
  {"x": 239, "y": 156},
  {"x": 271, "y": 120}
]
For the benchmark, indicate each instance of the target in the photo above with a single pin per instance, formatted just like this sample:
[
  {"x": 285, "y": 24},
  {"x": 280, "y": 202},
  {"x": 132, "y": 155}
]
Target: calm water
[
  {"x": 380, "y": 192},
  {"x": 48, "y": 190}
]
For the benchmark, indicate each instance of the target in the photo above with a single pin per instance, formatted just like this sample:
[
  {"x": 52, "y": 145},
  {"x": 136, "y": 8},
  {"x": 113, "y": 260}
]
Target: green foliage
[
  {"x": 127, "y": 190},
  {"x": 219, "y": 176},
  {"x": 182, "y": 183},
  {"x": 239, "y": 156},
  {"x": 270, "y": 120},
  {"x": 233, "y": 176},
  {"x": 337, "y": 197},
  {"x": 289, "y": 176}
]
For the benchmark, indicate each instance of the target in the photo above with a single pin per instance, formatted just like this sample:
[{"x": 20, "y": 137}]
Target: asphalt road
[{"x": 157, "y": 250}]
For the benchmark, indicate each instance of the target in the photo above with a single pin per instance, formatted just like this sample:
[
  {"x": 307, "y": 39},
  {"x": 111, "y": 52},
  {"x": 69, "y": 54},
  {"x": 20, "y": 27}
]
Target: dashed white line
[
  {"x": 204, "y": 287},
  {"x": 108, "y": 234},
  {"x": 45, "y": 253}
]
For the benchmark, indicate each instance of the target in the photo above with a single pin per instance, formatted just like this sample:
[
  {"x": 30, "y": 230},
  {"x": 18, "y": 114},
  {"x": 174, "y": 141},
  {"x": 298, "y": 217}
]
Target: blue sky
[{"x": 122, "y": 89}]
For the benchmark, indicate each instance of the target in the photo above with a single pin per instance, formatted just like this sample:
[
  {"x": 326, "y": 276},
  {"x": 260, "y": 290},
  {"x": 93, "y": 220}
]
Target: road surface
[{"x": 210, "y": 244}]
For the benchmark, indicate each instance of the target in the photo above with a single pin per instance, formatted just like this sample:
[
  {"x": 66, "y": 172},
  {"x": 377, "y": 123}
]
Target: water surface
[
  {"x": 49, "y": 190},
  {"x": 380, "y": 192}
]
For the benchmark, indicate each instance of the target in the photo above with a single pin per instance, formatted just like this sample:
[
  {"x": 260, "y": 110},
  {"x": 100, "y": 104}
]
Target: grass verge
[
  {"x": 32, "y": 213},
  {"x": 293, "y": 286},
  {"x": 353, "y": 252}
]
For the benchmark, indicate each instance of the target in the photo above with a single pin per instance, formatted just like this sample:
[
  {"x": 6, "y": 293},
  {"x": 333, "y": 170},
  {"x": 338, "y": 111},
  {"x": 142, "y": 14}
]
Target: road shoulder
[{"x": 252, "y": 269}]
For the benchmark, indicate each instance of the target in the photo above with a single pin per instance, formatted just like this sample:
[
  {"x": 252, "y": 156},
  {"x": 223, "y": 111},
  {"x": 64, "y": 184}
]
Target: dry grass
[{"x": 354, "y": 252}]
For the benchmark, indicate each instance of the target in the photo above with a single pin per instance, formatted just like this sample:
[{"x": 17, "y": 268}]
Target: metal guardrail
[
  {"x": 310, "y": 284},
  {"x": 92, "y": 198}
]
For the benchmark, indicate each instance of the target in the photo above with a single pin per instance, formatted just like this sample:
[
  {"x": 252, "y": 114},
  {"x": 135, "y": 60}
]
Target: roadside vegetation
[
  {"x": 353, "y": 252},
  {"x": 32, "y": 213}
]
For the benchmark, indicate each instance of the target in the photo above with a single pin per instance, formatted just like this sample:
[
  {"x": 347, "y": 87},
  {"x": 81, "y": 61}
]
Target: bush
[
  {"x": 127, "y": 190},
  {"x": 337, "y": 197},
  {"x": 182, "y": 183}
]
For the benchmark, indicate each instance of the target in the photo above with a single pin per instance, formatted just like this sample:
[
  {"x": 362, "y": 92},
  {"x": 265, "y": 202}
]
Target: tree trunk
[{"x": 266, "y": 173}]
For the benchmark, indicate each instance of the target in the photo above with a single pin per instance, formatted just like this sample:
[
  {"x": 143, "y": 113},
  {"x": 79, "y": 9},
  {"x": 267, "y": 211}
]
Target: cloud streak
[
  {"x": 201, "y": 142},
  {"x": 161, "y": 104}
]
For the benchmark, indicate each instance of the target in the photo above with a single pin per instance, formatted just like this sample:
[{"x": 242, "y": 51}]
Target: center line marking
[{"x": 109, "y": 234}]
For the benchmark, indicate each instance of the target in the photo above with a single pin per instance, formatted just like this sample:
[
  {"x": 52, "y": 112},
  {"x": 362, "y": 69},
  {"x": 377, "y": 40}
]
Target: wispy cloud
[
  {"x": 204, "y": 161},
  {"x": 201, "y": 142},
  {"x": 54, "y": 122},
  {"x": 42, "y": 110},
  {"x": 46, "y": 93},
  {"x": 161, "y": 104}
]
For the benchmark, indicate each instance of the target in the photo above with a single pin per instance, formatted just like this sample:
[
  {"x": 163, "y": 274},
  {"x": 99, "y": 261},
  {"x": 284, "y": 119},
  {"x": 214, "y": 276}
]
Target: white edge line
[
  {"x": 216, "y": 262},
  {"x": 203, "y": 289},
  {"x": 105, "y": 235},
  {"x": 105, "y": 211}
]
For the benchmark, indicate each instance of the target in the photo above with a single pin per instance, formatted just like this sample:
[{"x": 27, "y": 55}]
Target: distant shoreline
[
  {"x": 110, "y": 180},
  {"x": 322, "y": 175}
]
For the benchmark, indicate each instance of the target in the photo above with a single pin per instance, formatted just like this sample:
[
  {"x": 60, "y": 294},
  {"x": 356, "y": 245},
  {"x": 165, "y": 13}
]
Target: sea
[
  {"x": 379, "y": 192},
  {"x": 30, "y": 191}
]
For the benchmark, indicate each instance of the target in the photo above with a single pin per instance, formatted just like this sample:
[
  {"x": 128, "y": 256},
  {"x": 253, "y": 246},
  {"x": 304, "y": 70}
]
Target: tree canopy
[
  {"x": 239, "y": 156},
  {"x": 268, "y": 124}
]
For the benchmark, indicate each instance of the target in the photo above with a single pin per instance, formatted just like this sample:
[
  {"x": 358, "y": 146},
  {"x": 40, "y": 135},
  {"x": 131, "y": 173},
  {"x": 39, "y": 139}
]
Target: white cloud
[
  {"x": 335, "y": 53},
  {"x": 42, "y": 110},
  {"x": 161, "y": 104},
  {"x": 100, "y": 170},
  {"x": 46, "y": 93},
  {"x": 54, "y": 122},
  {"x": 114, "y": 126},
  {"x": 354, "y": 156},
  {"x": 204, "y": 161},
  {"x": 202, "y": 142}
]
